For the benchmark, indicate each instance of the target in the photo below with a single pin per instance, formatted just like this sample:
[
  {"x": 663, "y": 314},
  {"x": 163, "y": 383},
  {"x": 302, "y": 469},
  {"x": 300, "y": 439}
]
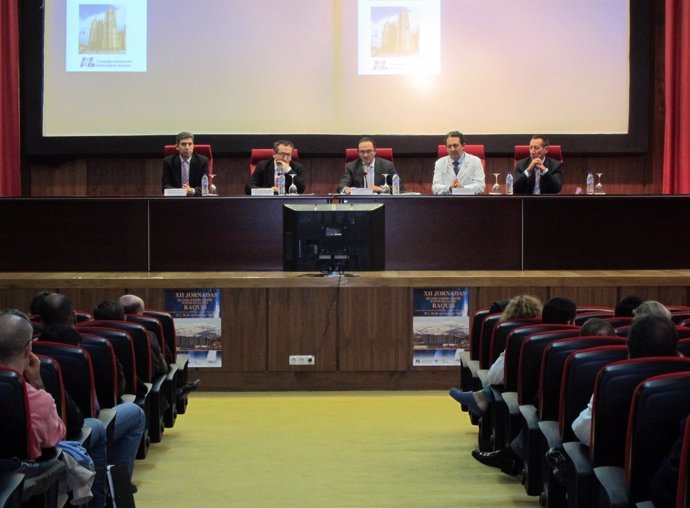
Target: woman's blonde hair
[{"x": 522, "y": 306}]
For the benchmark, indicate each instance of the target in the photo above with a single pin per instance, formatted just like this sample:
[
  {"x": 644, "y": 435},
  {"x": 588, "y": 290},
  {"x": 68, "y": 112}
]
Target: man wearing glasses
[
  {"x": 267, "y": 172},
  {"x": 367, "y": 171}
]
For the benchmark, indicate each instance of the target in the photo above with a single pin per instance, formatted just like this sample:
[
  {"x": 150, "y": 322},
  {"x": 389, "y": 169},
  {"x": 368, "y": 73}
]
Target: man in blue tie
[
  {"x": 184, "y": 169},
  {"x": 367, "y": 171},
  {"x": 458, "y": 169},
  {"x": 537, "y": 174}
]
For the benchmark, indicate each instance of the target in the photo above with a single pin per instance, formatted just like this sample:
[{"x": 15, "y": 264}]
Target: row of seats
[
  {"x": 260, "y": 154},
  {"x": 89, "y": 373},
  {"x": 550, "y": 373}
]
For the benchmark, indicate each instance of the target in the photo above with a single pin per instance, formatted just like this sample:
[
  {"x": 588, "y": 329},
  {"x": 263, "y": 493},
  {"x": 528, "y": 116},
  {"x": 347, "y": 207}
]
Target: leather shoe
[
  {"x": 467, "y": 400},
  {"x": 504, "y": 459},
  {"x": 188, "y": 387}
]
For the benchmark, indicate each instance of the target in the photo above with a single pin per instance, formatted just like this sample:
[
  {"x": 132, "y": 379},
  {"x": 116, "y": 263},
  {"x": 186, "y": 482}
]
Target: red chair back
[
  {"x": 261, "y": 154},
  {"x": 204, "y": 150},
  {"x": 476, "y": 150}
]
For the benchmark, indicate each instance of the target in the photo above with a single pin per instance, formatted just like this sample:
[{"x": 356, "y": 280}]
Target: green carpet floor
[{"x": 322, "y": 449}]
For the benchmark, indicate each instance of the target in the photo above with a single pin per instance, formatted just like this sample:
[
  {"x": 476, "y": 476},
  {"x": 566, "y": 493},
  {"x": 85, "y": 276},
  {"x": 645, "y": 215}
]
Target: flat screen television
[{"x": 334, "y": 238}]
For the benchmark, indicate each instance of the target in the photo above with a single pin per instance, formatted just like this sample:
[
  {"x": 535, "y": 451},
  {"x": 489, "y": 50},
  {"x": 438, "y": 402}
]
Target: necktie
[
  {"x": 456, "y": 167},
  {"x": 369, "y": 177},
  {"x": 185, "y": 172},
  {"x": 537, "y": 176}
]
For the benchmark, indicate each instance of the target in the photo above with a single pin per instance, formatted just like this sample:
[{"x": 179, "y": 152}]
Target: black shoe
[
  {"x": 188, "y": 387},
  {"x": 504, "y": 459},
  {"x": 134, "y": 488}
]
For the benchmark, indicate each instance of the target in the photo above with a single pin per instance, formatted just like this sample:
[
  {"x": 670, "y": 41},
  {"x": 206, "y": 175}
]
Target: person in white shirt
[{"x": 458, "y": 169}]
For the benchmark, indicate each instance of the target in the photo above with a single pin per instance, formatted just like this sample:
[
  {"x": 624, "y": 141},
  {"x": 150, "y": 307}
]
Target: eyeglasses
[
  {"x": 31, "y": 340},
  {"x": 284, "y": 154}
]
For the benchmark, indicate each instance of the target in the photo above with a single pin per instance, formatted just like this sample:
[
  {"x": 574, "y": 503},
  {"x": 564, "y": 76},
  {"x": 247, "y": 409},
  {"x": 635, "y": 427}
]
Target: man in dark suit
[
  {"x": 367, "y": 165},
  {"x": 266, "y": 171},
  {"x": 538, "y": 174},
  {"x": 184, "y": 169}
]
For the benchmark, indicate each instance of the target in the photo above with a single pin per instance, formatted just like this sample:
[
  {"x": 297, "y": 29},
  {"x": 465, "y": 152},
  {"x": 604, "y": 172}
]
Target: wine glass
[
  {"x": 496, "y": 188},
  {"x": 386, "y": 188},
  {"x": 212, "y": 187},
  {"x": 599, "y": 187},
  {"x": 293, "y": 188}
]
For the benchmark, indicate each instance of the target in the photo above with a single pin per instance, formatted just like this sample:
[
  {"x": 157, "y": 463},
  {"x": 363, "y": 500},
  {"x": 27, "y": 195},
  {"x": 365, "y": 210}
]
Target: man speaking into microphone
[
  {"x": 267, "y": 172},
  {"x": 537, "y": 174}
]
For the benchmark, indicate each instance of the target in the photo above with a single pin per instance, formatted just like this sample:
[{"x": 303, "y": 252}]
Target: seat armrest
[
  {"x": 610, "y": 488},
  {"x": 579, "y": 474},
  {"x": 552, "y": 436}
]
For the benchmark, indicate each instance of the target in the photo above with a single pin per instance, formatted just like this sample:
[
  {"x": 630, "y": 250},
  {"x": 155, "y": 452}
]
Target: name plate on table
[
  {"x": 462, "y": 191},
  {"x": 359, "y": 191},
  {"x": 174, "y": 192},
  {"x": 262, "y": 191}
]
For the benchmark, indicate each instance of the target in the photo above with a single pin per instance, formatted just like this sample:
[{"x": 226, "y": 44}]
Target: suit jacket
[
  {"x": 354, "y": 174},
  {"x": 172, "y": 172},
  {"x": 264, "y": 173},
  {"x": 549, "y": 183}
]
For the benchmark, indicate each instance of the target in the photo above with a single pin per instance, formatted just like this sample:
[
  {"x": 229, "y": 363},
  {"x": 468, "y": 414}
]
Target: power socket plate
[{"x": 302, "y": 359}]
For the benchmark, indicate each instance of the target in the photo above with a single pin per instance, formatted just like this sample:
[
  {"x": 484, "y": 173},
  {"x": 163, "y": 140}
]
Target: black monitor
[{"x": 334, "y": 238}]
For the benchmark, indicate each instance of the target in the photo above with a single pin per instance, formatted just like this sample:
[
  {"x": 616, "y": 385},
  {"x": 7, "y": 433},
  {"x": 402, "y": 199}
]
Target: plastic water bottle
[
  {"x": 590, "y": 183},
  {"x": 204, "y": 185},
  {"x": 396, "y": 183},
  {"x": 509, "y": 184},
  {"x": 281, "y": 184}
]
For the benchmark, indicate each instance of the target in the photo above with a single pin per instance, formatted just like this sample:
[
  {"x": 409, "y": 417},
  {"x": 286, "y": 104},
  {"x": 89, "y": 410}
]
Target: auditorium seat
[
  {"x": 522, "y": 152},
  {"x": 352, "y": 154},
  {"x": 476, "y": 150},
  {"x": 261, "y": 154},
  {"x": 659, "y": 404}
]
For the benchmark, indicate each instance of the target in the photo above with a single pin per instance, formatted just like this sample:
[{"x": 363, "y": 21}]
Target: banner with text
[{"x": 440, "y": 326}]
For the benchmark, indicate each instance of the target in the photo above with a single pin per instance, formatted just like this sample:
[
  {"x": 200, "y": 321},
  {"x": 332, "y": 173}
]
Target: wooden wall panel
[
  {"x": 244, "y": 330},
  {"x": 375, "y": 329},
  {"x": 301, "y": 321}
]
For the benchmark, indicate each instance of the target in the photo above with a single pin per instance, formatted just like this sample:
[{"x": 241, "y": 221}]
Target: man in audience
[
  {"x": 458, "y": 169},
  {"x": 651, "y": 308},
  {"x": 367, "y": 171},
  {"x": 266, "y": 172},
  {"x": 626, "y": 306},
  {"x": 133, "y": 304},
  {"x": 15, "y": 353},
  {"x": 650, "y": 335},
  {"x": 596, "y": 326},
  {"x": 57, "y": 315},
  {"x": 184, "y": 169},
  {"x": 538, "y": 174}
]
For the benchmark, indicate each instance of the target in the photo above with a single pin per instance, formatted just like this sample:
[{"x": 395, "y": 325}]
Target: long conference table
[
  {"x": 422, "y": 233},
  {"x": 360, "y": 328}
]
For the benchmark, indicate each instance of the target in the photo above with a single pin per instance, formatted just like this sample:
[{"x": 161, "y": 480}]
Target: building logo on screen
[
  {"x": 103, "y": 33},
  {"x": 87, "y": 61}
]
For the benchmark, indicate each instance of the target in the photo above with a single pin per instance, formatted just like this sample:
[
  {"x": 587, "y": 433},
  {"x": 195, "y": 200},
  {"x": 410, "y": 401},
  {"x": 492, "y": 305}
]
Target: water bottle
[
  {"x": 509, "y": 184},
  {"x": 281, "y": 184},
  {"x": 204, "y": 185},
  {"x": 590, "y": 183},
  {"x": 396, "y": 183}
]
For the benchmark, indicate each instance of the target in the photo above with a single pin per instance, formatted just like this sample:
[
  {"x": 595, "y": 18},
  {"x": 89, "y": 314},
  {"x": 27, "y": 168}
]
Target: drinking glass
[
  {"x": 599, "y": 187},
  {"x": 212, "y": 186},
  {"x": 386, "y": 188},
  {"x": 496, "y": 188},
  {"x": 293, "y": 187}
]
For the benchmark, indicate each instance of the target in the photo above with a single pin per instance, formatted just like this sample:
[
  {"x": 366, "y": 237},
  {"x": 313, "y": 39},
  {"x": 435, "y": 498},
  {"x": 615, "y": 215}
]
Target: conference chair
[
  {"x": 104, "y": 364},
  {"x": 476, "y": 150},
  {"x": 473, "y": 353},
  {"x": 658, "y": 405},
  {"x": 11, "y": 486},
  {"x": 613, "y": 392},
  {"x": 548, "y": 400},
  {"x": 577, "y": 384},
  {"x": 353, "y": 154},
  {"x": 683, "y": 496},
  {"x": 582, "y": 318},
  {"x": 522, "y": 152},
  {"x": 41, "y": 489},
  {"x": 604, "y": 309},
  {"x": 204, "y": 150},
  {"x": 261, "y": 154}
]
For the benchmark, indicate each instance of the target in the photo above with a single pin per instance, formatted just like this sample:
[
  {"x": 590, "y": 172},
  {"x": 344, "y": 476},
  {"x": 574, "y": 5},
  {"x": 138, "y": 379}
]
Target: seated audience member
[
  {"x": 266, "y": 172},
  {"x": 15, "y": 353},
  {"x": 184, "y": 169},
  {"x": 132, "y": 304},
  {"x": 596, "y": 326},
  {"x": 57, "y": 315},
  {"x": 626, "y": 306},
  {"x": 557, "y": 310},
  {"x": 537, "y": 174},
  {"x": 519, "y": 307},
  {"x": 458, "y": 169},
  {"x": 36, "y": 301},
  {"x": 650, "y": 335},
  {"x": 367, "y": 171},
  {"x": 651, "y": 308}
]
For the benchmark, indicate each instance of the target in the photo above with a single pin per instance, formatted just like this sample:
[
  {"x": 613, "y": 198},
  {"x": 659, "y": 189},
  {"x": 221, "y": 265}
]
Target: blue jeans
[
  {"x": 98, "y": 451},
  {"x": 130, "y": 422}
]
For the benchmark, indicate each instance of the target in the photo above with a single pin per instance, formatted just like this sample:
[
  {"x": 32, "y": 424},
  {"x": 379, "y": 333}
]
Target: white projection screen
[{"x": 335, "y": 67}]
